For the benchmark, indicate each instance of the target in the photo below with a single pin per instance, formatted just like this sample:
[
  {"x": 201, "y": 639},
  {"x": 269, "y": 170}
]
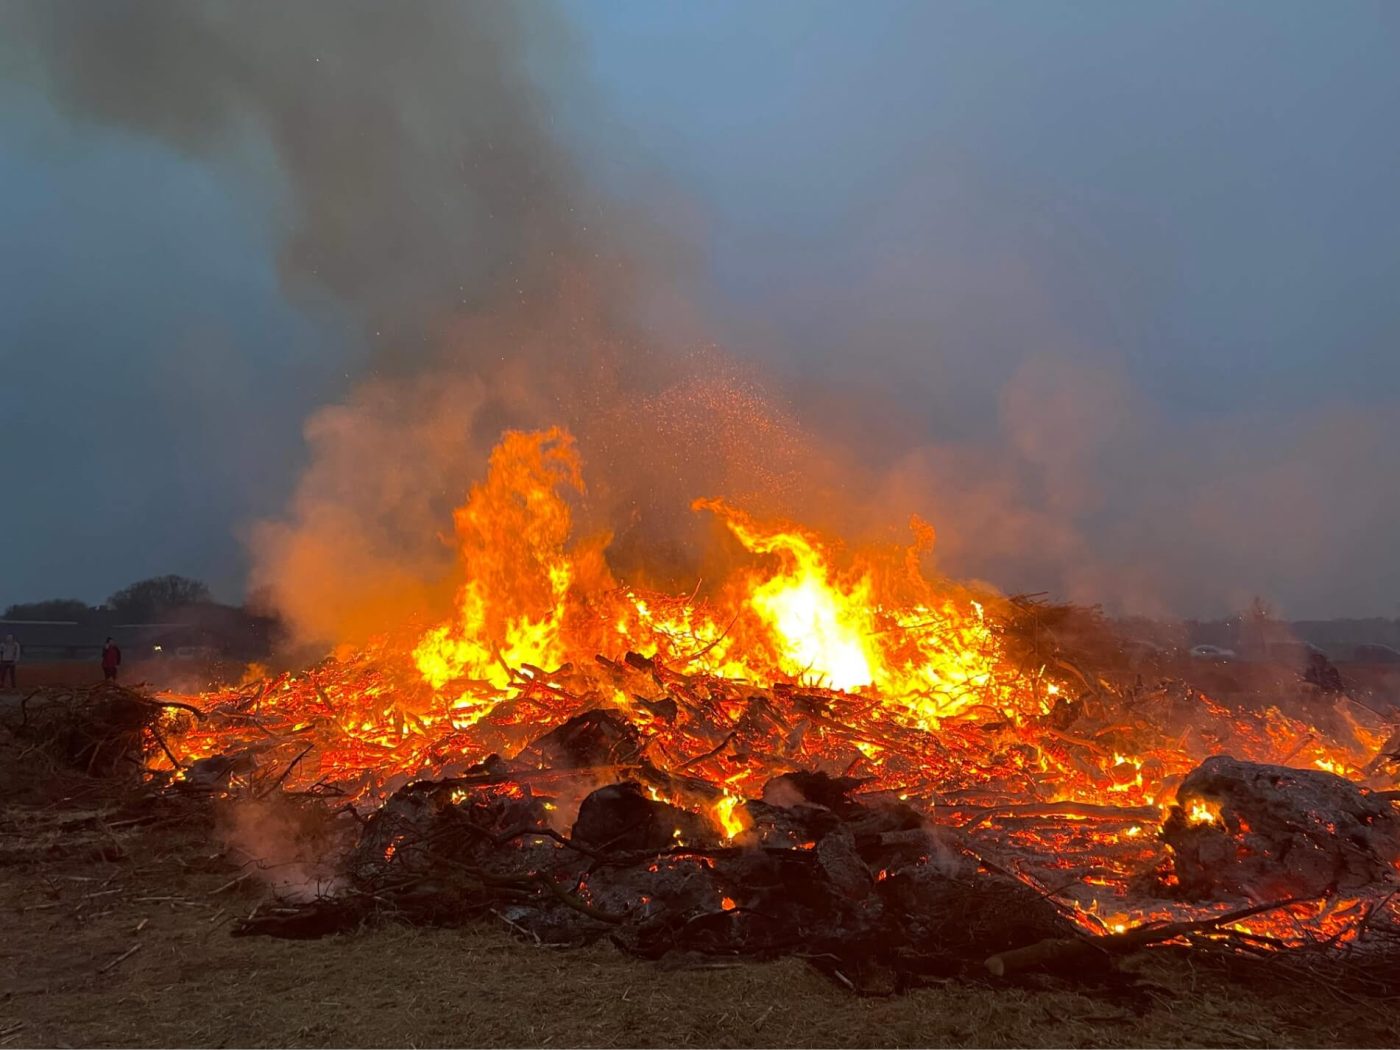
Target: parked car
[{"x": 1212, "y": 652}]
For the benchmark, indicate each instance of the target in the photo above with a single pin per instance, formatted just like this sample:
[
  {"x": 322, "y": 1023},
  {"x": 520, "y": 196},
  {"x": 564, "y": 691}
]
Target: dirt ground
[
  {"x": 190, "y": 675},
  {"x": 117, "y": 932}
]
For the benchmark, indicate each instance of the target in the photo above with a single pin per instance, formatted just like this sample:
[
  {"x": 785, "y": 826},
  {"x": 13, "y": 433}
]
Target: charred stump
[{"x": 1270, "y": 832}]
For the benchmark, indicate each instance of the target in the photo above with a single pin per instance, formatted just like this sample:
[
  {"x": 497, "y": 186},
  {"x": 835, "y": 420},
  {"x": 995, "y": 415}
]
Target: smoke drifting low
[
  {"x": 412, "y": 156},
  {"x": 368, "y": 542},
  {"x": 425, "y": 191}
]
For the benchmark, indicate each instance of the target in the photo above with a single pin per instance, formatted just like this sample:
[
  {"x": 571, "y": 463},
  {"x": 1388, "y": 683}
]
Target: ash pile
[{"x": 867, "y": 891}]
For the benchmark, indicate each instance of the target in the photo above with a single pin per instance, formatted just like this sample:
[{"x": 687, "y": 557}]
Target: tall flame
[
  {"x": 529, "y": 599},
  {"x": 511, "y": 535},
  {"x": 821, "y": 627},
  {"x": 808, "y": 654}
]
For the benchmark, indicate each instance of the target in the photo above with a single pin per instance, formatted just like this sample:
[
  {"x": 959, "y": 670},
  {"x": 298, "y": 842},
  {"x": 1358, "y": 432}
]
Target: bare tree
[
  {"x": 147, "y": 600},
  {"x": 50, "y": 609}
]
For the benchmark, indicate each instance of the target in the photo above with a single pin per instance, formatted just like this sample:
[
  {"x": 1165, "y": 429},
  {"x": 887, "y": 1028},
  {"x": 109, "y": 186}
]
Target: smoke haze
[{"x": 500, "y": 216}]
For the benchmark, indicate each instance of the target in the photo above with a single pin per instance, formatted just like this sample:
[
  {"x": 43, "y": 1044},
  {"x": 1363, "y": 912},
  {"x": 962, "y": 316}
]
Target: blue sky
[
  {"x": 142, "y": 326},
  {"x": 941, "y": 202},
  {"x": 1208, "y": 189}
]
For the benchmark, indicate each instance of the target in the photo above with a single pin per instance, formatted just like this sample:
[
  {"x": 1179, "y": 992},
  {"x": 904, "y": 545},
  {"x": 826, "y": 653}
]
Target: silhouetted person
[
  {"x": 9, "y": 656},
  {"x": 111, "y": 660},
  {"x": 1323, "y": 674}
]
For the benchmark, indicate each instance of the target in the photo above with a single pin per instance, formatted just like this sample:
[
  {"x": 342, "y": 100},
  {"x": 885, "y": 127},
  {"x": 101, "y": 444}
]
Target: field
[
  {"x": 191, "y": 675},
  {"x": 119, "y": 936},
  {"x": 118, "y": 911}
]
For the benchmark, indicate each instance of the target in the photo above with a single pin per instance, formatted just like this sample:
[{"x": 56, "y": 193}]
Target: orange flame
[
  {"x": 864, "y": 666},
  {"x": 528, "y": 600}
]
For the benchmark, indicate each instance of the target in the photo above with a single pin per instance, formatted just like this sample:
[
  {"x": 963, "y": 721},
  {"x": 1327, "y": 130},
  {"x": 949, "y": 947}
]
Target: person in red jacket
[
  {"x": 9, "y": 656},
  {"x": 111, "y": 660}
]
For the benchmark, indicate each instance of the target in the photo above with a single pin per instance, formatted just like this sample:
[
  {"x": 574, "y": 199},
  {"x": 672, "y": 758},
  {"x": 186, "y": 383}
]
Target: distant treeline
[
  {"x": 162, "y": 612},
  {"x": 1255, "y": 629},
  {"x": 145, "y": 601}
]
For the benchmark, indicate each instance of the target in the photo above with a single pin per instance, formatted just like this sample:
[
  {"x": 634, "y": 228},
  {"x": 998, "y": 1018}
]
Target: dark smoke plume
[
  {"x": 424, "y": 188},
  {"x": 419, "y": 167},
  {"x": 411, "y": 157}
]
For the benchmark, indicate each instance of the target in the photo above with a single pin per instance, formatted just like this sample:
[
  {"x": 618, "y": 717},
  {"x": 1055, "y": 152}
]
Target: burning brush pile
[{"x": 831, "y": 756}]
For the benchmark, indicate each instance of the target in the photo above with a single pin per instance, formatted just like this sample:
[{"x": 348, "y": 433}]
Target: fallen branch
[
  {"x": 153, "y": 702},
  {"x": 121, "y": 958},
  {"x": 708, "y": 754},
  {"x": 1069, "y": 951},
  {"x": 230, "y": 884},
  {"x": 1086, "y": 810},
  {"x": 287, "y": 772}
]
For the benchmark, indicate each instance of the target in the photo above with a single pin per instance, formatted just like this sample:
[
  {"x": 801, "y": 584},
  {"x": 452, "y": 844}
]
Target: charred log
[
  {"x": 620, "y": 817},
  {"x": 594, "y": 738},
  {"x": 1269, "y": 832}
]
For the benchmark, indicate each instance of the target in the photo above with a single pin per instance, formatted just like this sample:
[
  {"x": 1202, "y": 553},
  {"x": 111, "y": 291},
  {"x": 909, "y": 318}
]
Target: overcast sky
[{"x": 1140, "y": 259}]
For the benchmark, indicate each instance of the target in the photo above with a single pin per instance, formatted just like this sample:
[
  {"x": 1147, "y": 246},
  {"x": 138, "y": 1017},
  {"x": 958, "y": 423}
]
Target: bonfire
[{"x": 830, "y": 754}]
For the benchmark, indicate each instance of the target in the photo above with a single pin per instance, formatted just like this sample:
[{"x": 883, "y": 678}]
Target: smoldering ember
[{"x": 790, "y": 524}]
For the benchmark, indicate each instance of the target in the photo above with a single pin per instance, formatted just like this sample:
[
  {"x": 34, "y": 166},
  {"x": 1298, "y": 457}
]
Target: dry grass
[
  {"x": 161, "y": 674},
  {"x": 78, "y": 894}
]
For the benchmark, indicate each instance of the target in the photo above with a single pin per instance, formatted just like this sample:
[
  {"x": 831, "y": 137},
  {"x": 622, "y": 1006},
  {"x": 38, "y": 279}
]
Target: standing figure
[
  {"x": 111, "y": 660},
  {"x": 9, "y": 656},
  {"x": 1322, "y": 673}
]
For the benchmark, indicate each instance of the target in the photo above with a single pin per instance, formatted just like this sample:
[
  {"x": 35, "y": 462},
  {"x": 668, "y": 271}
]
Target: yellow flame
[
  {"x": 821, "y": 626},
  {"x": 511, "y": 534},
  {"x": 727, "y": 813},
  {"x": 808, "y": 614},
  {"x": 1203, "y": 811}
]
